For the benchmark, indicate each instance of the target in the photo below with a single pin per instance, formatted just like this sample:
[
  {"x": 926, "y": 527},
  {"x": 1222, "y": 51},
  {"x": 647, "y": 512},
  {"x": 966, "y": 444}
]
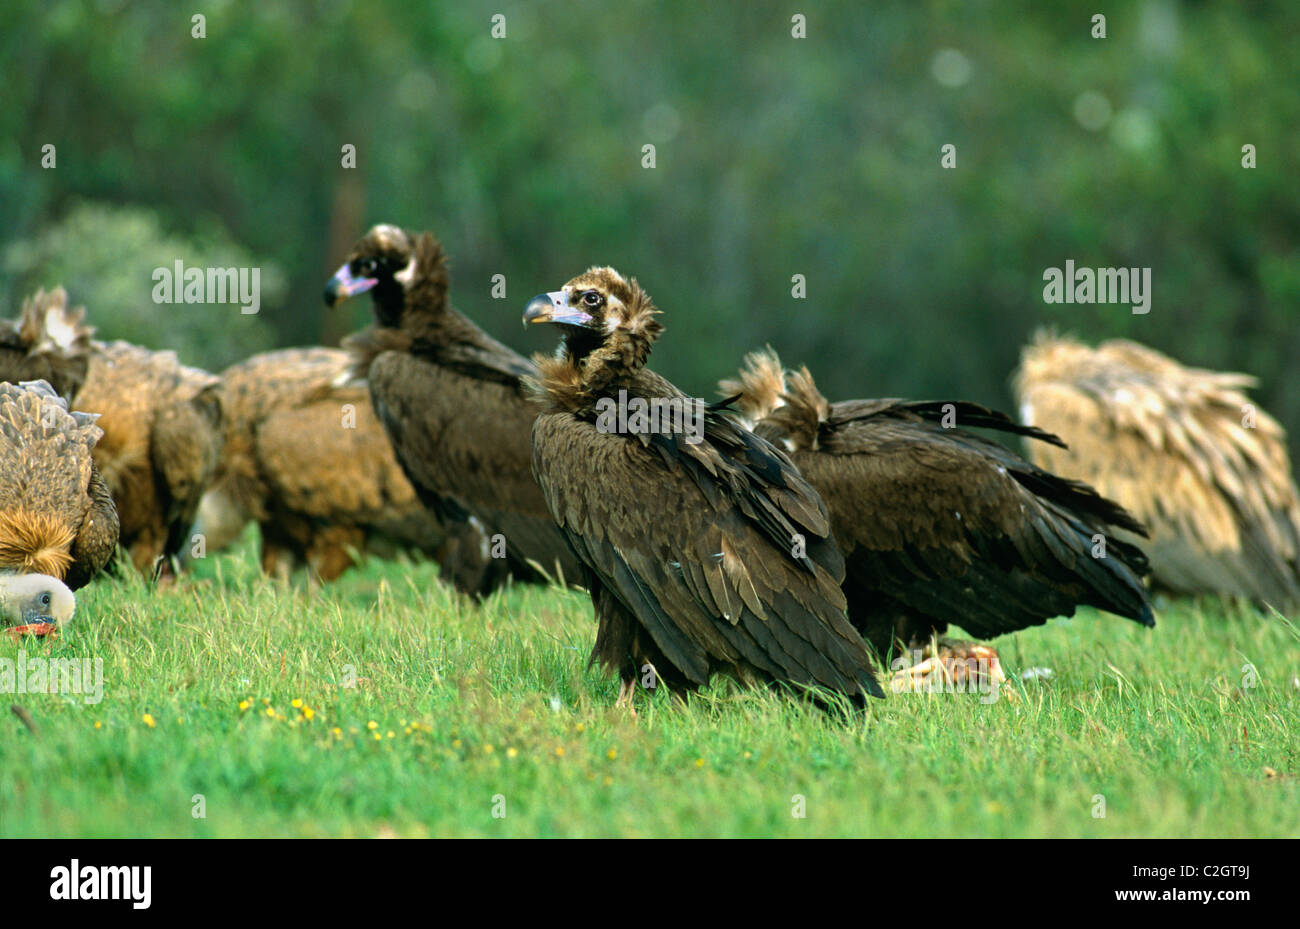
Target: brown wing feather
[
  {"x": 715, "y": 585},
  {"x": 1169, "y": 443},
  {"x": 939, "y": 524},
  {"x": 464, "y": 443},
  {"x": 957, "y": 528}
]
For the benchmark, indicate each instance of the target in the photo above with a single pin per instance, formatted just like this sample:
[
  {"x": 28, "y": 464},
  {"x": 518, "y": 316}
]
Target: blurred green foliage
[
  {"x": 106, "y": 257},
  {"x": 775, "y": 156}
]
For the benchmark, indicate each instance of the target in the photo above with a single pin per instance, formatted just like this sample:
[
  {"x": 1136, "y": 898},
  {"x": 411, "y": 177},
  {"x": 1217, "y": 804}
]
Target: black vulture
[
  {"x": 939, "y": 524},
  {"x": 704, "y": 549},
  {"x": 452, "y": 401}
]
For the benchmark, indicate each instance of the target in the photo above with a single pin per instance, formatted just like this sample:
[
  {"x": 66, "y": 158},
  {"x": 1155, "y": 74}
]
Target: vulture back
[
  {"x": 48, "y": 497},
  {"x": 1183, "y": 449},
  {"x": 162, "y": 438}
]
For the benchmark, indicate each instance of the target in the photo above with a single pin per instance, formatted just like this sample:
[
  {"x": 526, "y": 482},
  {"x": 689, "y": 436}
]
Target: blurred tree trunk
[{"x": 347, "y": 214}]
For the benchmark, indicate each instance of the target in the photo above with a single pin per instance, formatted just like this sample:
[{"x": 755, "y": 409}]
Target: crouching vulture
[
  {"x": 705, "y": 551},
  {"x": 453, "y": 403},
  {"x": 305, "y": 458},
  {"x": 56, "y": 514},
  {"x": 1185, "y": 450},
  {"x": 938, "y": 524}
]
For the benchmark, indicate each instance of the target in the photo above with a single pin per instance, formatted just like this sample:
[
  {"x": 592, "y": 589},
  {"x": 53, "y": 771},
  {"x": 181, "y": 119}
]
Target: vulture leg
[
  {"x": 277, "y": 558},
  {"x": 626, "y": 691},
  {"x": 164, "y": 571}
]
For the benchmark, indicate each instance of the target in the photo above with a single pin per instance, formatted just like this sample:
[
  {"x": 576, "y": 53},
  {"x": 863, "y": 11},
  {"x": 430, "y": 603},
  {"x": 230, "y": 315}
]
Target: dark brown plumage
[
  {"x": 56, "y": 515},
  {"x": 702, "y": 556},
  {"x": 47, "y": 342},
  {"x": 939, "y": 524},
  {"x": 306, "y": 459},
  {"x": 162, "y": 438},
  {"x": 451, "y": 400}
]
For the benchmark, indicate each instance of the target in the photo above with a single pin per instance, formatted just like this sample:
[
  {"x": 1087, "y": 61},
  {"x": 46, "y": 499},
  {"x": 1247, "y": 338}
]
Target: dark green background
[{"x": 775, "y": 157}]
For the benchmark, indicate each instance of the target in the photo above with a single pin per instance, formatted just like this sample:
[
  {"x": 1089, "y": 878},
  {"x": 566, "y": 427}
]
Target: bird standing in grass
[
  {"x": 1182, "y": 448},
  {"x": 162, "y": 439},
  {"x": 305, "y": 457},
  {"x": 705, "y": 551},
  {"x": 940, "y": 525},
  {"x": 56, "y": 514},
  {"x": 452, "y": 401}
]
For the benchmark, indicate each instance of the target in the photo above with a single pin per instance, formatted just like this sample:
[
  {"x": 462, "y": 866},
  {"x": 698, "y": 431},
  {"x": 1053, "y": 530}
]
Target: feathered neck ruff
[
  {"x": 767, "y": 395},
  {"x": 759, "y": 389},
  {"x": 415, "y": 299},
  {"x": 414, "y": 312},
  {"x": 593, "y": 363}
]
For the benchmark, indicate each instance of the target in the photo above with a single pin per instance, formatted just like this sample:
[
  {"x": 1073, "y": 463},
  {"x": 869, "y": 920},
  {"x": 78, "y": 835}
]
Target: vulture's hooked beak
[
  {"x": 33, "y": 616},
  {"x": 554, "y": 308},
  {"x": 343, "y": 285}
]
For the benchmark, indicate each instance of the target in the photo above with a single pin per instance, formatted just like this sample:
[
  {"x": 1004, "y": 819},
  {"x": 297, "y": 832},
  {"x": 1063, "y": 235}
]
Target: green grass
[{"x": 497, "y": 700}]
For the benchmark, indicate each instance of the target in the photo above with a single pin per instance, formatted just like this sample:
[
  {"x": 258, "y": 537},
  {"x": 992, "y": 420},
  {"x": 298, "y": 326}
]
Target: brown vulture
[
  {"x": 452, "y": 401},
  {"x": 1182, "y": 448},
  {"x": 47, "y": 342},
  {"x": 938, "y": 524},
  {"x": 705, "y": 551},
  {"x": 162, "y": 437},
  {"x": 34, "y": 603},
  {"x": 306, "y": 459},
  {"x": 56, "y": 514}
]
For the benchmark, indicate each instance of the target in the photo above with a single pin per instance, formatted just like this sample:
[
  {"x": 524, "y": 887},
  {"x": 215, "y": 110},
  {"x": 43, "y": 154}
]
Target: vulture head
[
  {"x": 606, "y": 318},
  {"x": 47, "y": 342},
  {"x": 34, "y": 600},
  {"x": 403, "y": 273}
]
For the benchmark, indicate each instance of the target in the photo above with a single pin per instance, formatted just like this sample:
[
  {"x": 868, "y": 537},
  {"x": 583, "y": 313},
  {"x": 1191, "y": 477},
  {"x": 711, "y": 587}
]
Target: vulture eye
[
  {"x": 45, "y": 599},
  {"x": 367, "y": 266},
  {"x": 591, "y": 298}
]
